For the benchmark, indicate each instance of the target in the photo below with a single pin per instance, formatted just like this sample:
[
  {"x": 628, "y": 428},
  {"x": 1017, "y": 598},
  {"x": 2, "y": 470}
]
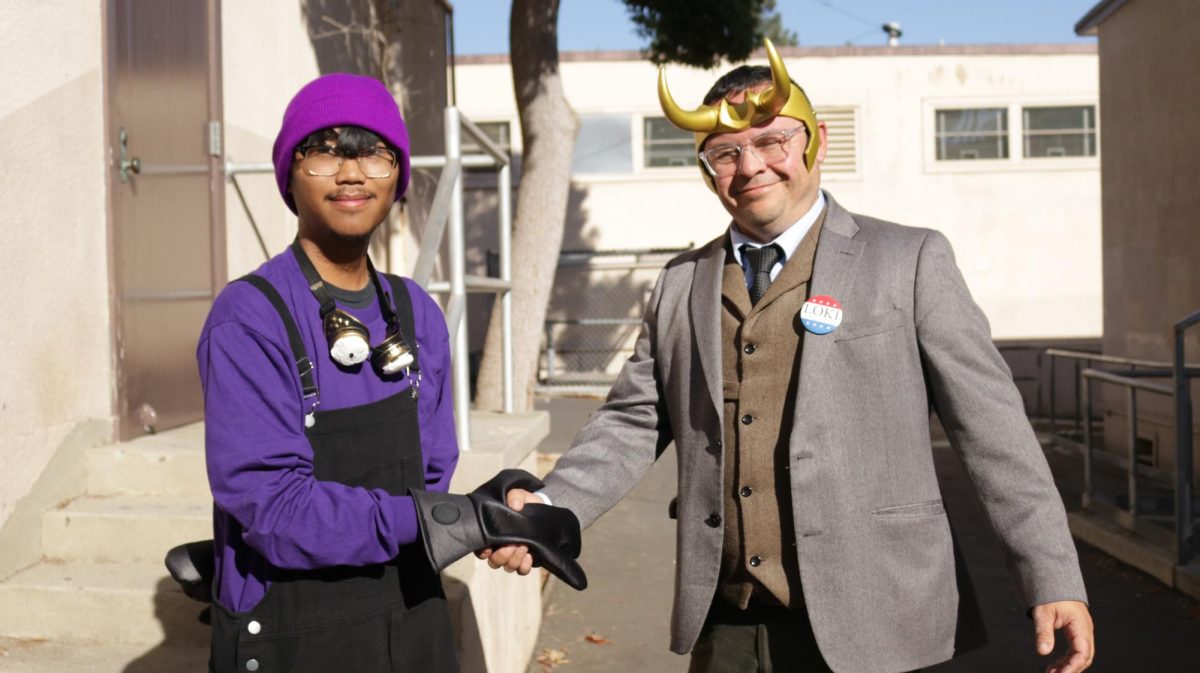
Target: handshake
[{"x": 453, "y": 526}]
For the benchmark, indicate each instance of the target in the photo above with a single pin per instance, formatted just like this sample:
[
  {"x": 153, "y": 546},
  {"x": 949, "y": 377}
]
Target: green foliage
[
  {"x": 698, "y": 32},
  {"x": 770, "y": 24}
]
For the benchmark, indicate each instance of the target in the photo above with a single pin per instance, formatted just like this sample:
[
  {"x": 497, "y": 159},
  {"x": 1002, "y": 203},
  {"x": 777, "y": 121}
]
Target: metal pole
[
  {"x": 504, "y": 193},
  {"x": 1078, "y": 399},
  {"x": 1053, "y": 398},
  {"x": 459, "y": 361},
  {"x": 1183, "y": 453},
  {"x": 1086, "y": 386},
  {"x": 1131, "y": 404},
  {"x": 549, "y": 350}
]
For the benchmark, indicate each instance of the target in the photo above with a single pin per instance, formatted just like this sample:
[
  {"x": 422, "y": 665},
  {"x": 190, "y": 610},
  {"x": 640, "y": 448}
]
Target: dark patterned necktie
[{"x": 761, "y": 260}]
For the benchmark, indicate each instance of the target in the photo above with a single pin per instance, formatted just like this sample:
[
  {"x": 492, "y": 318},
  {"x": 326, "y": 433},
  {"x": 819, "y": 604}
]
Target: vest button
[
  {"x": 748, "y": 349},
  {"x": 747, "y": 419},
  {"x": 713, "y": 520},
  {"x": 746, "y": 491},
  {"x": 756, "y": 561},
  {"x": 252, "y": 664},
  {"x": 254, "y": 628}
]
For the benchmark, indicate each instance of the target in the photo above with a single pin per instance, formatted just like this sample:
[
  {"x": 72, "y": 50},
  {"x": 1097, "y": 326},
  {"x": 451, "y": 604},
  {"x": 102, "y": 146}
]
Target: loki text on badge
[{"x": 821, "y": 314}]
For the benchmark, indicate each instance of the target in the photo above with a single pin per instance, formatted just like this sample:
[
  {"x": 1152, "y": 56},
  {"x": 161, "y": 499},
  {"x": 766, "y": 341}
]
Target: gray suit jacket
[{"x": 876, "y": 555}]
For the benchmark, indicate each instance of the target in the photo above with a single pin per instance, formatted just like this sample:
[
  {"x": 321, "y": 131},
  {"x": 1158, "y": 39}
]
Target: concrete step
[
  {"x": 121, "y": 603},
  {"x": 125, "y": 528},
  {"x": 50, "y": 656},
  {"x": 171, "y": 463}
]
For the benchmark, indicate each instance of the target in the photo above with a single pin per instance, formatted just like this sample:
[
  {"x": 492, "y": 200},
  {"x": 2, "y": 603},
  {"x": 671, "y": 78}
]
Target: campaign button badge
[{"x": 821, "y": 314}]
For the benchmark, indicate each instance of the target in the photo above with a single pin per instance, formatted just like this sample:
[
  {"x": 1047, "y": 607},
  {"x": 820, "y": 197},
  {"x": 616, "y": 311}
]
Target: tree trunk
[{"x": 548, "y": 128}]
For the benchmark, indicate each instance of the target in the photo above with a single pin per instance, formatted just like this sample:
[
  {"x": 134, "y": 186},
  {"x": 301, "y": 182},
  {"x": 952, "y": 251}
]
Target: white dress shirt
[{"x": 787, "y": 241}]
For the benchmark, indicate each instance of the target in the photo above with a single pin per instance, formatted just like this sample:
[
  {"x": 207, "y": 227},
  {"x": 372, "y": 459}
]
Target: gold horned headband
[{"x": 782, "y": 98}]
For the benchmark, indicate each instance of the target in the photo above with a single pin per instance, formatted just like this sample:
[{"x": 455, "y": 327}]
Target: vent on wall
[{"x": 842, "y": 154}]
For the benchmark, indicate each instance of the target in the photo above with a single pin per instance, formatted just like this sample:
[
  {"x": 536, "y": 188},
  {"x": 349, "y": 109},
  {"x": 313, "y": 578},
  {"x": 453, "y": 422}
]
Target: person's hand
[
  {"x": 513, "y": 558},
  {"x": 1075, "y": 620}
]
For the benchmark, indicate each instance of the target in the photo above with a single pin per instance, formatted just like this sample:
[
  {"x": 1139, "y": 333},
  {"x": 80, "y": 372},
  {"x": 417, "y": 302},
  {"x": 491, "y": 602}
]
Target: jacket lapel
[
  {"x": 706, "y": 314},
  {"x": 838, "y": 254}
]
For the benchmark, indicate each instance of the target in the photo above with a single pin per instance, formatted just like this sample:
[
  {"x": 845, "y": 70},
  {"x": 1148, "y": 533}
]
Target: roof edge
[
  {"x": 1090, "y": 23},
  {"x": 828, "y": 51}
]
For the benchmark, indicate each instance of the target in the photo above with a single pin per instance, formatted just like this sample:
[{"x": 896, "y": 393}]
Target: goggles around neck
[{"x": 348, "y": 338}]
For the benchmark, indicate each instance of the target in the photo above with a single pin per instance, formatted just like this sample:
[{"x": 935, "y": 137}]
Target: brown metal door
[{"x": 167, "y": 248}]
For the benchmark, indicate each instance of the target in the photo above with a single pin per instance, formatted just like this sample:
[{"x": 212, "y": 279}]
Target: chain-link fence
[{"x": 594, "y": 316}]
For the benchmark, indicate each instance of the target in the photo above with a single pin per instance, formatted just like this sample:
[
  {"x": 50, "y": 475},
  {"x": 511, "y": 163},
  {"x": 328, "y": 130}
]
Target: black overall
[{"x": 384, "y": 618}]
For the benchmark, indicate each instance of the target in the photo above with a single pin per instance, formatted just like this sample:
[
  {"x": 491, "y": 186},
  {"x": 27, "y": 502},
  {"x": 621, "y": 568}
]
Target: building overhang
[{"x": 1090, "y": 23}]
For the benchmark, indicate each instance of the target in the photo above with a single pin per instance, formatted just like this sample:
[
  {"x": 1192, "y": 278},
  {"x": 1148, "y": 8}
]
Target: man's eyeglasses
[
  {"x": 324, "y": 161},
  {"x": 770, "y": 148}
]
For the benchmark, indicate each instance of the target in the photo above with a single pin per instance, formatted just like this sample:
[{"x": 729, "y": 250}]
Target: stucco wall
[
  {"x": 1151, "y": 169},
  {"x": 56, "y": 334},
  {"x": 262, "y": 70},
  {"x": 1026, "y": 232}
]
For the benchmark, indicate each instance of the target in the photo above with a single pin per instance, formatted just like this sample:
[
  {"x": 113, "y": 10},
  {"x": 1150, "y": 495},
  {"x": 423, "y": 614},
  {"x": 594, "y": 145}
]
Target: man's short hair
[{"x": 741, "y": 78}]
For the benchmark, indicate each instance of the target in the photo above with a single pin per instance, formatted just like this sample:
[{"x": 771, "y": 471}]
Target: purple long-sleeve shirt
[{"x": 268, "y": 506}]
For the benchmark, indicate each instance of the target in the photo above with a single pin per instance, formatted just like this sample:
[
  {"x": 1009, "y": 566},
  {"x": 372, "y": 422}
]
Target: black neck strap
[{"x": 317, "y": 286}]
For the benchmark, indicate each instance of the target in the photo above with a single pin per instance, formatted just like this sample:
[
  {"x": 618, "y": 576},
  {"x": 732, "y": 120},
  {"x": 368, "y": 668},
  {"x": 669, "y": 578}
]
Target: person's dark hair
[
  {"x": 351, "y": 140},
  {"x": 740, "y": 78}
]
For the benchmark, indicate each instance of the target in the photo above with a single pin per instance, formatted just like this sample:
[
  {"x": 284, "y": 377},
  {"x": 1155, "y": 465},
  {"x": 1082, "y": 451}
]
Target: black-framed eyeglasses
[
  {"x": 324, "y": 161},
  {"x": 770, "y": 148}
]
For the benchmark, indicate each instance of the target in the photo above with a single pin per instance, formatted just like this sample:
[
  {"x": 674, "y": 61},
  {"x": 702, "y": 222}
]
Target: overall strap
[
  {"x": 299, "y": 354},
  {"x": 404, "y": 317}
]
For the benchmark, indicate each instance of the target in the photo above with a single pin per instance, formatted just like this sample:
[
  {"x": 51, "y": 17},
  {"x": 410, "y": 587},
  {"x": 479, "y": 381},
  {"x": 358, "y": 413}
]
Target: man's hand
[
  {"x": 513, "y": 558},
  {"x": 1074, "y": 618}
]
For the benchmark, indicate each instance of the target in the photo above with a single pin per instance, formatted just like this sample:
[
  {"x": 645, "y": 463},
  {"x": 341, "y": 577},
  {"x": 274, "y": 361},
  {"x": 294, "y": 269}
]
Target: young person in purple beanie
[{"x": 329, "y": 425}]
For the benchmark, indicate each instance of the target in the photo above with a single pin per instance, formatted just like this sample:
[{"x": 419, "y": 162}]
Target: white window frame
[{"x": 1016, "y": 160}]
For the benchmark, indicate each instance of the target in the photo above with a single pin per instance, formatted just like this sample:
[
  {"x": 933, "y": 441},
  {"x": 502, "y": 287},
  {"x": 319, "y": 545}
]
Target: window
[
  {"x": 841, "y": 155},
  {"x": 497, "y": 132},
  {"x": 665, "y": 145},
  {"x": 980, "y": 133},
  {"x": 604, "y": 145},
  {"x": 1060, "y": 131}
]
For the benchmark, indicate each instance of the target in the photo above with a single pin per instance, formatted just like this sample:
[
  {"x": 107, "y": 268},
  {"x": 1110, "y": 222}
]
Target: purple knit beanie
[{"x": 339, "y": 99}]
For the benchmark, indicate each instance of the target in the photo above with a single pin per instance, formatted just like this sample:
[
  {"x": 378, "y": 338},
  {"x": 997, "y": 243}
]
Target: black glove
[{"x": 453, "y": 526}]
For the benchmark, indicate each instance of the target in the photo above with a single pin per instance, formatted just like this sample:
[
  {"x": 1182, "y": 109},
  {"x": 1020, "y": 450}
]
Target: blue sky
[{"x": 481, "y": 26}]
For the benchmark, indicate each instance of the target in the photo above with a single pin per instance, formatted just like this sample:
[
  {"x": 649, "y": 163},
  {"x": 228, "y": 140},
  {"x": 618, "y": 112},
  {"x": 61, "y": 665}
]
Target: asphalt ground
[{"x": 621, "y": 622}]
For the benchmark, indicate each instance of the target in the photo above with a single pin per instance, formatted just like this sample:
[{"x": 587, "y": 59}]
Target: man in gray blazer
[{"x": 794, "y": 362}]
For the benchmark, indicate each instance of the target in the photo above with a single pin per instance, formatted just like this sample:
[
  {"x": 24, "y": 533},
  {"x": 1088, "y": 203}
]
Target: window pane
[
  {"x": 1068, "y": 145},
  {"x": 973, "y": 121},
  {"x": 980, "y": 133},
  {"x": 666, "y": 145},
  {"x": 1060, "y": 131},
  {"x": 604, "y": 145},
  {"x": 1053, "y": 118},
  {"x": 497, "y": 132}
]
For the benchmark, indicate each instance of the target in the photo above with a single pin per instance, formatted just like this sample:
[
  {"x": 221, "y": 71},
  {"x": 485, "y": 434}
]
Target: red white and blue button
[{"x": 821, "y": 314}]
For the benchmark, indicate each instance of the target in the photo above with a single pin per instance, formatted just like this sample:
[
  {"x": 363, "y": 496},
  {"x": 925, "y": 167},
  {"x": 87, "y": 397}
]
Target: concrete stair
[{"x": 100, "y": 599}]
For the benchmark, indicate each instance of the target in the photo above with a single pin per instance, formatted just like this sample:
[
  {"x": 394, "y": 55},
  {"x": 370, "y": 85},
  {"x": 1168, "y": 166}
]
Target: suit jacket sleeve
[
  {"x": 972, "y": 390},
  {"x": 623, "y": 437}
]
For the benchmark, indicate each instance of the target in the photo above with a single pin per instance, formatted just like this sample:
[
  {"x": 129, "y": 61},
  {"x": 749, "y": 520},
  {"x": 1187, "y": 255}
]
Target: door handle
[{"x": 127, "y": 164}]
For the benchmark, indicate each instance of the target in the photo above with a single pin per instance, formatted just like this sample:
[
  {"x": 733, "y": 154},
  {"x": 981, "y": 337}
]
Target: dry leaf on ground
[{"x": 551, "y": 658}]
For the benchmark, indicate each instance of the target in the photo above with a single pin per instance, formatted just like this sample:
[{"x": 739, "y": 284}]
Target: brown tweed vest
[{"x": 760, "y": 360}]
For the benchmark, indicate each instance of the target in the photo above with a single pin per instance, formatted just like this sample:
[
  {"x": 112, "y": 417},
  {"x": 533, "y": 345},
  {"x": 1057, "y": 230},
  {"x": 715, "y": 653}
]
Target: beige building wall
[
  {"x": 1026, "y": 231},
  {"x": 262, "y": 70},
  {"x": 1151, "y": 169},
  {"x": 57, "y": 345}
]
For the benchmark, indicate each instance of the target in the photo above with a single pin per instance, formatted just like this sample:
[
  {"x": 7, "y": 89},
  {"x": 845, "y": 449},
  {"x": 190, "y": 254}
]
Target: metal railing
[
  {"x": 446, "y": 217},
  {"x": 1133, "y": 379},
  {"x": 585, "y": 336}
]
